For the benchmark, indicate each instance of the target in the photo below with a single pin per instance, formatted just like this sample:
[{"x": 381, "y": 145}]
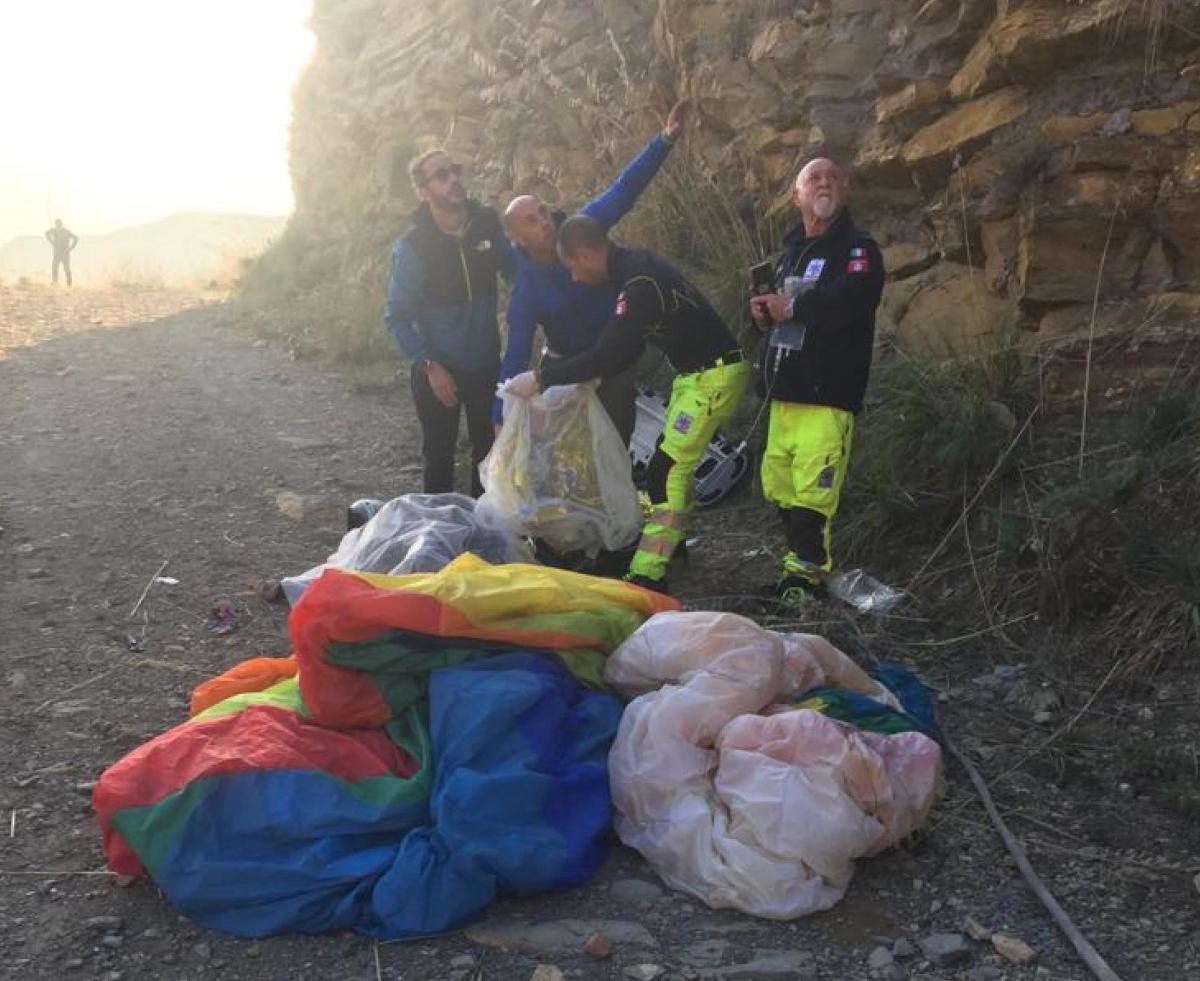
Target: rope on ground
[{"x": 1090, "y": 956}]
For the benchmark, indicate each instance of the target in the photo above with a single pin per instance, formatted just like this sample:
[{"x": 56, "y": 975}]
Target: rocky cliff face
[{"x": 1018, "y": 161}]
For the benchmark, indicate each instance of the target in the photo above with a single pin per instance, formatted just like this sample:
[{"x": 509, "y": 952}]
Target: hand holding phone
[{"x": 762, "y": 280}]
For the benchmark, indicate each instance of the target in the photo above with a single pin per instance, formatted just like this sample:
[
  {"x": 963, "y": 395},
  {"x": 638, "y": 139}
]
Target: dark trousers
[
  {"x": 65, "y": 262},
  {"x": 618, "y": 395},
  {"x": 439, "y": 425}
]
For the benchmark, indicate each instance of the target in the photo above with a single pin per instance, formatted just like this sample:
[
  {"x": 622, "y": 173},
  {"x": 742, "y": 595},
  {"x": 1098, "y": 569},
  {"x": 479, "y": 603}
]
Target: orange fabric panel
[{"x": 256, "y": 674}]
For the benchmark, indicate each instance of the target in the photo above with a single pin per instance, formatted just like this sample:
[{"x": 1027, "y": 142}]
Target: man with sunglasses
[{"x": 441, "y": 312}]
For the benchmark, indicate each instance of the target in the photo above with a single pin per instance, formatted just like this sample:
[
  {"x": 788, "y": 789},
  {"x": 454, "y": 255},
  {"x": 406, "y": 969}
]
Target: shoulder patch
[{"x": 859, "y": 263}]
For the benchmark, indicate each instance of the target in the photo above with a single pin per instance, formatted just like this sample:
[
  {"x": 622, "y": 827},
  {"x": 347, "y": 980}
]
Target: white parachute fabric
[
  {"x": 738, "y": 798},
  {"x": 417, "y": 533},
  {"x": 558, "y": 471}
]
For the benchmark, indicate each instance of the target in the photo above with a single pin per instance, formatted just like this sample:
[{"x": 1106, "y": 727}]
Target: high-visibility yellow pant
[
  {"x": 700, "y": 404},
  {"x": 803, "y": 469}
]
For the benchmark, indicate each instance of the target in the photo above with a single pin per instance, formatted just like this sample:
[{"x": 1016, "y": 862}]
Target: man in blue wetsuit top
[{"x": 571, "y": 314}]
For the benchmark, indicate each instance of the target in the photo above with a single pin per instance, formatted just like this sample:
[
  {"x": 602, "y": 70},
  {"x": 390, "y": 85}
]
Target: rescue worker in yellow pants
[
  {"x": 700, "y": 404},
  {"x": 656, "y": 305},
  {"x": 816, "y": 361},
  {"x": 803, "y": 469}
]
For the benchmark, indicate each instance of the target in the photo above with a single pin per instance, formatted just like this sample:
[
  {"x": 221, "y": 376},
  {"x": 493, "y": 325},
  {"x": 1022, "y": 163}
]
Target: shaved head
[{"x": 530, "y": 225}]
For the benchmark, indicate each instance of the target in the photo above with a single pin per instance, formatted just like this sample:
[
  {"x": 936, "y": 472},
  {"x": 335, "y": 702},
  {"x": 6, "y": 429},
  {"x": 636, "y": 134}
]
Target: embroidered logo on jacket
[
  {"x": 683, "y": 423},
  {"x": 484, "y": 245},
  {"x": 622, "y": 305},
  {"x": 858, "y": 261},
  {"x": 813, "y": 270}
]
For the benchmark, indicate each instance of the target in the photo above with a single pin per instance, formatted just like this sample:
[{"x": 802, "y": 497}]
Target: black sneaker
[
  {"x": 795, "y": 592},
  {"x": 657, "y": 585}
]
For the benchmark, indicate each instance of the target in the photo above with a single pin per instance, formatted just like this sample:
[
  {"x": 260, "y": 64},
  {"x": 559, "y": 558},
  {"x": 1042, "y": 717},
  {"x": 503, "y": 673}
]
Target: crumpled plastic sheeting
[
  {"x": 417, "y": 533},
  {"x": 737, "y": 799},
  {"x": 559, "y": 471}
]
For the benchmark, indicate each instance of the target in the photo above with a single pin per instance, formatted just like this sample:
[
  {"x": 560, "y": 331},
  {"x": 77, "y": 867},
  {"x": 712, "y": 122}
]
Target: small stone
[
  {"x": 985, "y": 973},
  {"x": 597, "y": 946},
  {"x": 113, "y": 940},
  {"x": 705, "y": 953},
  {"x": 106, "y": 923},
  {"x": 202, "y": 951},
  {"x": 546, "y": 972},
  {"x": 880, "y": 958},
  {"x": 904, "y": 948},
  {"x": 219, "y": 963},
  {"x": 463, "y": 962},
  {"x": 635, "y": 892},
  {"x": 945, "y": 949},
  {"x": 1042, "y": 718},
  {"x": 254, "y": 950},
  {"x": 893, "y": 972},
  {"x": 976, "y": 930},
  {"x": 644, "y": 972},
  {"x": 1013, "y": 949},
  {"x": 74, "y": 964},
  {"x": 170, "y": 957},
  {"x": 111, "y": 976},
  {"x": 151, "y": 932},
  {"x": 796, "y": 965}
]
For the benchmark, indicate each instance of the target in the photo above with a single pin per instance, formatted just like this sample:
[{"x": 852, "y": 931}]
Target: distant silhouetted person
[{"x": 63, "y": 241}]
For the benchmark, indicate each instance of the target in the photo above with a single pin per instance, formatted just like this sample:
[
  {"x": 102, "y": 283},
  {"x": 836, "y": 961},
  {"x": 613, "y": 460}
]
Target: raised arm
[{"x": 622, "y": 194}]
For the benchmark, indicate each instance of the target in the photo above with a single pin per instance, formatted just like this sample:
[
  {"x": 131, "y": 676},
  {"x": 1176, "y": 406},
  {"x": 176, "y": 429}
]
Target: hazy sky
[{"x": 121, "y": 111}]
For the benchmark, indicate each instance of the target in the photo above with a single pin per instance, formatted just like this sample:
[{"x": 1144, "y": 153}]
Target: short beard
[{"x": 824, "y": 208}]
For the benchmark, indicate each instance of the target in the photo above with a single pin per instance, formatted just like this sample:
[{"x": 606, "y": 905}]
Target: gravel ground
[{"x": 152, "y": 427}]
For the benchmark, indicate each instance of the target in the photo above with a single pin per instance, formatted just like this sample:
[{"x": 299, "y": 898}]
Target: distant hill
[{"x": 186, "y": 249}]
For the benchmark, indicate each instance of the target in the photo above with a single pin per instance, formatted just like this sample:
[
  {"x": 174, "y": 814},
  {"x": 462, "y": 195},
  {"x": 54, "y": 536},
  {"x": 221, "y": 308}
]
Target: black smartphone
[{"x": 762, "y": 278}]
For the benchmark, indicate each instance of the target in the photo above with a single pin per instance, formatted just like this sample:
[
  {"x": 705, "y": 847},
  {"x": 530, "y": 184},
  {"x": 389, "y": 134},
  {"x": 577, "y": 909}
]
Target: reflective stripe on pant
[
  {"x": 803, "y": 469},
  {"x": 700, "y": 404}
]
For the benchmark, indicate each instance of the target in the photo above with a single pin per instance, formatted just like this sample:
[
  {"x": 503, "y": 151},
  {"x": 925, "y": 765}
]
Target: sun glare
[{"x": 128, "y": 110}]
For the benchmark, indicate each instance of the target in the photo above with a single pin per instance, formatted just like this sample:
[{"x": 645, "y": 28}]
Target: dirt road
[{"x": 145, "y": 429}]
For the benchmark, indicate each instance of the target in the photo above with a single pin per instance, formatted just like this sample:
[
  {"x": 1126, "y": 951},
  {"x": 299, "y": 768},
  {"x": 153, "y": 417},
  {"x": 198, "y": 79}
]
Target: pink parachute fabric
[{"x": 740, "y": 798}]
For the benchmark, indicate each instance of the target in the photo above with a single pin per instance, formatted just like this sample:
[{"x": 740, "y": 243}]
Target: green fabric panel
[
  {"x": 858, "y": 710},
  {"x": 284, "y": 694}
]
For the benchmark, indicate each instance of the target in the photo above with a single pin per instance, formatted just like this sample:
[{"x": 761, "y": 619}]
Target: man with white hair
[{"x": 821, "y": 324}]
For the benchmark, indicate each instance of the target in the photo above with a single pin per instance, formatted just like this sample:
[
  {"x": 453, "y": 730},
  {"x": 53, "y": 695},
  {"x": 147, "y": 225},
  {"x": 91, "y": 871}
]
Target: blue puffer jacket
[
  {"x": 441, "y": 299},
  {"x": 571, "y": 314}
]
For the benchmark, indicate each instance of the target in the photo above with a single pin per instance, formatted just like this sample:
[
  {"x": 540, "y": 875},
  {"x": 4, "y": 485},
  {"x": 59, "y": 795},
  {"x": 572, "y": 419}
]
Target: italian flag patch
[{"x": 858, "y": 261}]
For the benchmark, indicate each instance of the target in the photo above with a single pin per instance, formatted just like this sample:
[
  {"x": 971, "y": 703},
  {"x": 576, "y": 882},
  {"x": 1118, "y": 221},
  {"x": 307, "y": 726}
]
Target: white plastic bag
[
  {"x": 417, "y": 533},
  {"x": 739, "y": 798},
  {"x": 559, "y": 472}
]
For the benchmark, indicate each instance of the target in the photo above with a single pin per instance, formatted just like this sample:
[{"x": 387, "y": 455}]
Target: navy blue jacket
[
  {"x": 571, "y": 314},
  {"x": 841, "y": 274},
  {"x": 441, "y": 299}
]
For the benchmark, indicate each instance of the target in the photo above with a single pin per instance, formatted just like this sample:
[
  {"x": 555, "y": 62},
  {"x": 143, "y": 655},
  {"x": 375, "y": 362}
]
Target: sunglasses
[{"x": 444, "y": 174}]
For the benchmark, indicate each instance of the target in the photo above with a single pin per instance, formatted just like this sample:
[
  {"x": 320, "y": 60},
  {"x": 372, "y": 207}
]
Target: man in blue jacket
[
  {"x": 571, "y": 314},
  {"x": 441, "y": 311}
]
